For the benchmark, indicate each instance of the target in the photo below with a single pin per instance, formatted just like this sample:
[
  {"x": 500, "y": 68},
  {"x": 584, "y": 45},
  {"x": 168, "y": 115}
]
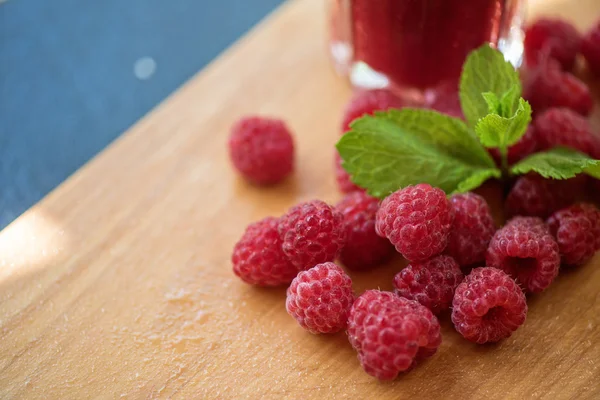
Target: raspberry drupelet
[
  {"x": 525, "y": 249},
  {"x": 417, "y": 220},
  {"x": 390, "y": 333},
  {"x": 320, "y": 298},
  {"x": 488, "y": 306}
]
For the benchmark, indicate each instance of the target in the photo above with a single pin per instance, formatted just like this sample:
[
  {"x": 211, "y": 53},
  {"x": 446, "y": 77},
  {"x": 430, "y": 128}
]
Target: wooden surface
[{"x": 119, "y": 284}]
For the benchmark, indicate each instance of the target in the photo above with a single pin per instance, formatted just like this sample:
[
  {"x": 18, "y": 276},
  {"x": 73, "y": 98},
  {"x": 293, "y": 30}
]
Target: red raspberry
[
  {"x": 262, "y": 149},
  {"x": 364, "y": 248},
  {"x": 577, "y": 231},
  {"x": 526, "y": 146},
  {"x": 590, "y": 48},
  {"x": 525, "y": 249},
  {"x": 472, "y": 229},
  {"x": 345, "y": 184},
  {"x": 535, "y": 196},
  {"x": 431, "y": 283},
  {"x": 320, "y": 298},
  {"x": 312, "y": 233},
  {"x": 366, "y": 103},
  {"x": 559, "y": 38},
  {"x": 563, "y": 127},
  {"x": 391, "y": 333},
  {"x": 417, "y": 220},
  {"x": 547, "y": 86},
  {"x": 258, "y": 258},
  {"x": 488, "y": 306}
]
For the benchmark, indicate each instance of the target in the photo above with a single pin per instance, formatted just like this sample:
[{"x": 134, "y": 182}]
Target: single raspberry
[
  {"x": 366, "y": 103},
  {"x": 590, "y": 48},
  {"x": 535, "y": 196},
  {"x": 258, "y": 258},
  {"x": 577, "y": 231},
  {"x": 525, "y": 249},
  {"x": 345, "y": 184},
  {"x": 488, "y": 306},
  {"x": 320, "y": 298},
  {"x": 563, "y": 127},
  {"x": 472, "y": 229},
  {"x": 431, "y": 283},
  {"x": 559, "y": 38},
  {"x": 546, "y": 86},
  {"x": 262, "y": 149},
  {"x": 417, "y": 220},
  {"x": 391, "y": 333},
  {"x": 364, "y": 248},
  {"x": 312, "y": 233},
  {"x": 526, "y": 146}
]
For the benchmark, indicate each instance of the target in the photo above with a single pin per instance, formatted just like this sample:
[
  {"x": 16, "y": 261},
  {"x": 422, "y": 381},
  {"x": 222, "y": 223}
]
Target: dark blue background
[{"x": 67, "y": 83}]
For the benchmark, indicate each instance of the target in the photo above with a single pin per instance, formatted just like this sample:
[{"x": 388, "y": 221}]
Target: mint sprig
[{"x": 396, "y": 148}]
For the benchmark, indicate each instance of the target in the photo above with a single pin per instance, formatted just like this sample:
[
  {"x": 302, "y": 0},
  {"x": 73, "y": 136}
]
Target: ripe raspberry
[
  {"x": 431, "y": 283},
  {"x": 345, "y": 185},
  {"x": 525, "y": 249},
  {"x": 535, "y": 196},
  {"x": 312, "y": 233},
  {"x": 559, "y": 38},
  {"x": 590, "y": 48},
  {"x": 391, "y": 333},
  {"x": 577, "y": 231},
  {"x": 547, "y": 86},
  {"x": 258, "y": 258},
  {"x": 417, "y": 220},
  {"x": 526, "y": 146},
  {"x": 364, "y": 248},
  {"x": 563, "y": 127},
  {"x": 488, "y": 306},
  {"x": 472, "y": 229},
  {"x": 262, "y": 149},
  {"x": 320, "y": 298},
  {"x": 366, "y": 103}
]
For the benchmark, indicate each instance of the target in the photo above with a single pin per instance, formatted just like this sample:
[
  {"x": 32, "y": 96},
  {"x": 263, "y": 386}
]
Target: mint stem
[{"x": 504, "y": 158}]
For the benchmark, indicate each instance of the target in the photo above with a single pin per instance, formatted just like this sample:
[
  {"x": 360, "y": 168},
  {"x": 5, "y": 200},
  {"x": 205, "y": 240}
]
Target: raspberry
[
  {"x": 558, "y": 38},
  {"x": 488, "y": 306},
  {"x": 563, "y": 127},
  {"x": 417, "y": 220},
  {"x": 590, "y": 48},
  {"x": 364, "y": 248},
  {"x": 525, "y": 249},
  {"x": 577, "y": 231},
  {"x": 547, "y": 86},
  {"x": 312, "y": 233},
  {"x": 320, "y": 298},
  {"x": 431, "y": 283},
  {"x": 526, "y": 146},
  {"x": 472, "y": 229},
  {"x": 345, "y": 185},
  {"x": 262, "y": 149},
  {"x": 366, "y": 103},
  {"x": 258, "y": 258},
  {"x": 535, "y": 196},
  {"x": 391, "y": 333},
  {"x": 445, "y": 100}
]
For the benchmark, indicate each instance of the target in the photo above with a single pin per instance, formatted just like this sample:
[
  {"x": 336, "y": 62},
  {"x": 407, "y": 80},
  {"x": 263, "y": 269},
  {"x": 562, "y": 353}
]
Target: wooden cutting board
[{"x": 119, "y": 284}]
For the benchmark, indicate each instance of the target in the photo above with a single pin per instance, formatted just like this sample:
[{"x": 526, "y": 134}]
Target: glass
[{"x": 417, "y": 47}]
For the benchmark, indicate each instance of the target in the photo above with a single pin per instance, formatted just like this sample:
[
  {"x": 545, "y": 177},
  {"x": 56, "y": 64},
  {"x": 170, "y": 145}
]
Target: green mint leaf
[
  {"x": 485, "y": 70},
  {"x": 493, "y": 102},
  {"x": 397, "y": 148},
  {"x": 510, "y": 100},
  {"x": 501, "y": 131},
  {"x": 558, "y": 163}
]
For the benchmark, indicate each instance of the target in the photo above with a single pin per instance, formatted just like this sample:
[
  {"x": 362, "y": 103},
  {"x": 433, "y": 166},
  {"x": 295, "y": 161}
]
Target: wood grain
[{"x": 118, "y": 283}]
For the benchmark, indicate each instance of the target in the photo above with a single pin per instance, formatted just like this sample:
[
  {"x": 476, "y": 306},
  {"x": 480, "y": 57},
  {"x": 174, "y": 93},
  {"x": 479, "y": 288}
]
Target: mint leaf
[
  {"x": 493, "y": 102},
  {"x": 558, "y": 163},
  {"x": 500, "y": 131},
  {"x": 485, "y": 70},
  {"x": 397, "y": 148}
]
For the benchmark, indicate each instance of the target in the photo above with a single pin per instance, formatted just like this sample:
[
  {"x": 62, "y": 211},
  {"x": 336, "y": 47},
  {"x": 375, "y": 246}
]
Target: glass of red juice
[{"x": 417, "y": 47}]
